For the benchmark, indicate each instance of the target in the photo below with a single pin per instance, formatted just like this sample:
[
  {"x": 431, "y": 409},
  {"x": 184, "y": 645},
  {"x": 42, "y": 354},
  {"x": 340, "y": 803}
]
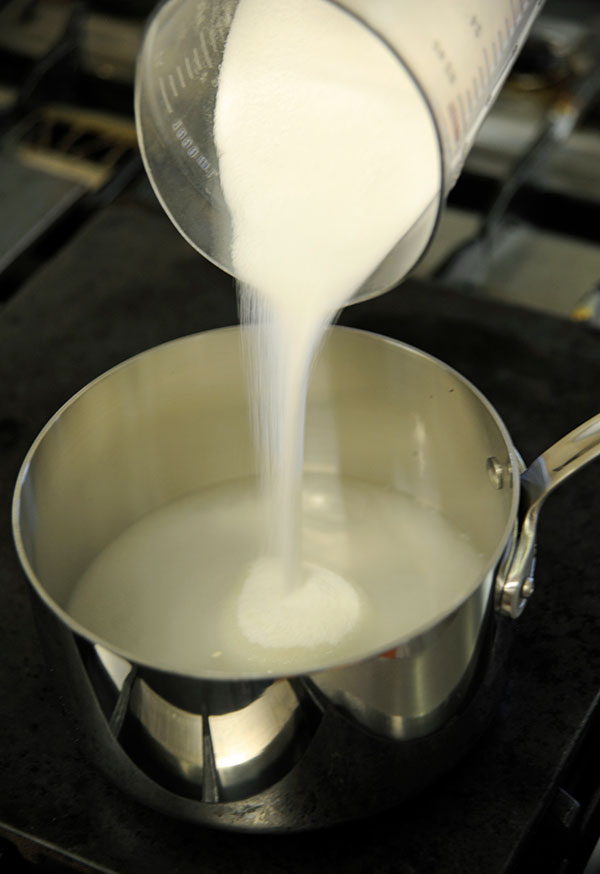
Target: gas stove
[
  {"x": 126, "y": 283},
  {"x": 93, "y": 273}
]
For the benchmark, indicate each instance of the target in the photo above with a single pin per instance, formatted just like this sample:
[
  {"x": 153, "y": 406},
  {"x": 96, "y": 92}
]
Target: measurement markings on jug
[
  {"x": 516, "y": 11},
  {"x": 181, "y": 77},
  {"x": 469, "y": 101},
  {"x": 475, "y": 25},
  {"x": 189, "y": 146},
  {"x": 165, "y": 96},
  {"x": 213, "y": 41},
  {"x": 173, "y": 85},
  {"x": 486, "y": 61},
  {"x": 205, "y": 50},
  {"x": 447, "y": 65},
  {"x": 454, "y": 123},
  {"x": 463, "y": 116}
]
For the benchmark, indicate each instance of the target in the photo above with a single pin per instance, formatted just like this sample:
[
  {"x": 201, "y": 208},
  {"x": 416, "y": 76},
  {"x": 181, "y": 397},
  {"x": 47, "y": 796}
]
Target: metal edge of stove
[
  {"x": 26, "y": 854},
  {"x": 568, "y": 827}
]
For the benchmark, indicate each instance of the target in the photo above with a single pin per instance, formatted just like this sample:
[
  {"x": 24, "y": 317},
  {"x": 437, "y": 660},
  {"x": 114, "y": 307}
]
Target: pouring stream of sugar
[{"x": 328, "y": 155}]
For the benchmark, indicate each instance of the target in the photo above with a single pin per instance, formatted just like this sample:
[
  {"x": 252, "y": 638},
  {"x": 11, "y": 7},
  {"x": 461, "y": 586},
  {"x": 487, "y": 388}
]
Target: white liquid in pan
[{"x": 168, "y": 589}]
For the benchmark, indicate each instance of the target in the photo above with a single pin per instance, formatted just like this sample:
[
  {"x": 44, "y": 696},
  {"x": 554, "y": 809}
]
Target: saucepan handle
[{"x": 514, "y": 579}]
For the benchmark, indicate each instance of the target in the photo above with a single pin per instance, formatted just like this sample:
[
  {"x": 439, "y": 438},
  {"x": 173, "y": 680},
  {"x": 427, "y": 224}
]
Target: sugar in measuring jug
[{"x": 455, "y": 56}]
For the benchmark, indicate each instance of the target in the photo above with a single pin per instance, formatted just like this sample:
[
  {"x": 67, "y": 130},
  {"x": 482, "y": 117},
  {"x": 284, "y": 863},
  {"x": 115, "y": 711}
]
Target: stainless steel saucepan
[{"x": 174, "y": 420}]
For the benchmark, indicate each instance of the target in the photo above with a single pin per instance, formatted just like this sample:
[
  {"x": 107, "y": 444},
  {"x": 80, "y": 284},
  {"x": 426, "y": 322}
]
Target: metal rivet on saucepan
[
  {"x": 495, "y": 472},
  {"x": 528, "y": 588}
]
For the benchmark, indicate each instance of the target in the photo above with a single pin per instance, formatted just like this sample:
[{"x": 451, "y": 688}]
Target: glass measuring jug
[{"x": 456, "y": 55}]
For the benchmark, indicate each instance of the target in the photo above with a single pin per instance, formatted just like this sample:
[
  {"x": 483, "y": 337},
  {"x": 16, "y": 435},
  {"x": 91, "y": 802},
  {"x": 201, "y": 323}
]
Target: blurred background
[{"x": 522, "y": 224}]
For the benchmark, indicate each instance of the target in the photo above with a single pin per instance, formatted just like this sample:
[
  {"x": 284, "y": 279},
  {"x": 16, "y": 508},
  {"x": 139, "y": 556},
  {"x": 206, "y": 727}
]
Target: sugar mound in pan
[{"x": 321, "y": 609}]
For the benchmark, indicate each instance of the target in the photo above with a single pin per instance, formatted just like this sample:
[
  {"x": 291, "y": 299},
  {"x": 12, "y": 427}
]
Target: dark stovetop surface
[{"x": 127, "y": 282}]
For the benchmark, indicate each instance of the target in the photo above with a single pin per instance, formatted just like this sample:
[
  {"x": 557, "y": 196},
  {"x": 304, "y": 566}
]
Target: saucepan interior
[{"x": 174, "y": 421}]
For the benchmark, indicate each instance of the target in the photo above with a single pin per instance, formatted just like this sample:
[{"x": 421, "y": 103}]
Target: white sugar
[
  {"x": 273, "y": 616},
  {"x": 327, "y": 156}
]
